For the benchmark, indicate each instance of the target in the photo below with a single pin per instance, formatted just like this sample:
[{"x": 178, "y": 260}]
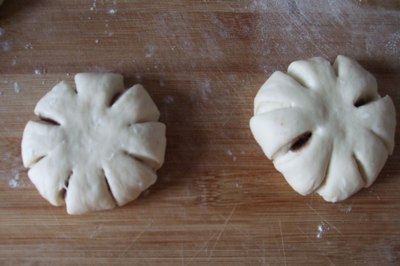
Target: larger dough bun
[
  {"x": 95, "y": 147},
  {"x": 325, "y": 127}
]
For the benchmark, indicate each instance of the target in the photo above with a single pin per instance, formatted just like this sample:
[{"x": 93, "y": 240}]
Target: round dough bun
[
  {"x": 95, "y": 147},
  {"x": 325, "y": 127}
]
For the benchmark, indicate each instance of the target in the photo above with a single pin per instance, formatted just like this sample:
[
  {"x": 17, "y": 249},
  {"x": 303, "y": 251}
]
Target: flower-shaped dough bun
[
  {"x": 95, "y": 147},
  {"x": 325, "y": 127}
]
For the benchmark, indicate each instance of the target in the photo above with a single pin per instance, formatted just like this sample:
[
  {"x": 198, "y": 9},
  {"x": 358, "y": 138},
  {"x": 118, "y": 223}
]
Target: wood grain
[{"x": 218, "y": 200}]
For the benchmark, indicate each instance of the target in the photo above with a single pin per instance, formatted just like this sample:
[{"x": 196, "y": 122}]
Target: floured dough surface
[
  {"x": 95, "y": 147},
  {"x": 325, "y": 127}
]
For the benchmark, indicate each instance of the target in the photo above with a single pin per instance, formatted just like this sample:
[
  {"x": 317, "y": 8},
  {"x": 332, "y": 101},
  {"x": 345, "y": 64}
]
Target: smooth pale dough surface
[
  {"x": 325, "y": 127},
  {"x": 100, "y": 154}
]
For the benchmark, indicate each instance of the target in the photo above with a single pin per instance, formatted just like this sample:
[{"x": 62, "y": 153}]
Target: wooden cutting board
[{"x": 218, "y": 199}]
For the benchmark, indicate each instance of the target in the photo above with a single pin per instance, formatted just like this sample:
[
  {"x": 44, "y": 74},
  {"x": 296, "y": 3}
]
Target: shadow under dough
[{"x": 10, "y": 8}]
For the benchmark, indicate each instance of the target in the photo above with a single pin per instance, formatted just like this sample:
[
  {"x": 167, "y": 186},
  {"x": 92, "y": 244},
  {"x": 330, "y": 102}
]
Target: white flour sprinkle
[
  {"x": 205, "y": 89},
  {"x": 346, "y": 208},
  {"x": 150, "y": 50},
  {"x": 28, "y": 46},
  {"x": 17, "y": 87},
  {"x": 138, "y": 77},
  {"x": 222, "y": 30},
  {"x": 39, "y": 71},
  {"x": 232, "y": 77},
  {"x": 94, "y": 5},
  {"x": 96, "y": 41},
  {"x": 321, "y": 230},
  {"x": 258, "y": 5},
  {"x": 230, "y": 153},
  {"x": 6, "y": 46},
  {"x": 392, "y": 46},
  {"x": 112, "y": 11},
  {"x": 15, "y": 181},
  {"x": 169, "y": 99}
]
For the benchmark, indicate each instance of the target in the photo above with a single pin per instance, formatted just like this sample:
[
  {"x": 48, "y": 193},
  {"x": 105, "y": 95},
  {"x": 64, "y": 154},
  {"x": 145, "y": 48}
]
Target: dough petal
[
  {"x": 50, "y": 176},
  {"x": 282, "y": 91},
  {"x": 354, "y": 82},
  {"x": 276, "y": 129},
  {"x": 135, "y": 106},
  {"x": 343, "y": 178},
  {"x": 88, "y": 190},
  {"x": 380, "y": 117},
  {"x": 56, "y": 103},
  {"x": 38, "y": 140},
  {"x": 305, "y": 169},
  {"x": 146, "y": 142},
  {"x": 315, "y": 73},
  {"x": 127, "y": 177},
  {"x": 370, "y": 158},
  {"x": 98, "y": 89}
]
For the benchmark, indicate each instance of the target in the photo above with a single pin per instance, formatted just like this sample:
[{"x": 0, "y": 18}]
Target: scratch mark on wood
[
  {"x": 182, "y": 259},
  {"x": 203, "y": 247},
  {"x": 123, "y": 253},
  {"x": 282, "y": 241},
  {"x": 222, "y": 230},
  {"x": 59, "y": 226},
  {"x": 247, "y": 235},
  {"x": 313, "y": 243},
  {"x": 94, "y": 233},
  {"x": 264, "y": 254},
  {"x": 324, "y": 220},
  {"x": 62, "y": 232}
]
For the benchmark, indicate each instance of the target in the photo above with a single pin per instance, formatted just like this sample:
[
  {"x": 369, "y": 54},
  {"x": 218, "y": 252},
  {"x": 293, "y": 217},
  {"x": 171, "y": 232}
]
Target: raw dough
[
  {"x": 89, "y": 151},
  {"x": 326, "y": 128}
]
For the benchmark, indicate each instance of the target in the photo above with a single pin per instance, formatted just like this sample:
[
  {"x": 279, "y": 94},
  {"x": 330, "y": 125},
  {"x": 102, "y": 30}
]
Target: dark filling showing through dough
[{"x": 301, "y": 141}]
